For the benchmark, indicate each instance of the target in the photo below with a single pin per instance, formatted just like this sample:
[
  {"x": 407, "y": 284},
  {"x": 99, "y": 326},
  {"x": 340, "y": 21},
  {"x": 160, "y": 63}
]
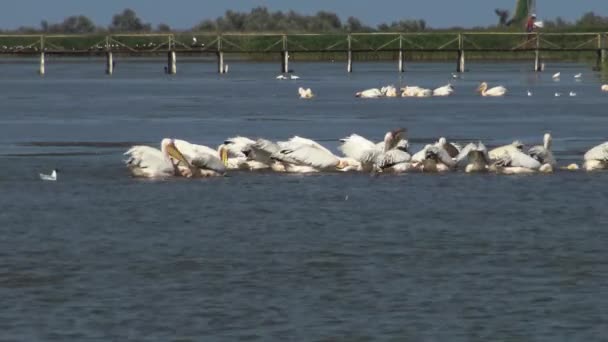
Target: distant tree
[
  {"x": 355, "y": 25},
  {"x": 163, "y": 28},
  {"x": 128, "y": 21},
  {"x": 503, "y": 16},
  {"x": 592, "y": 20},
  {"x": 44, "y": 26}
]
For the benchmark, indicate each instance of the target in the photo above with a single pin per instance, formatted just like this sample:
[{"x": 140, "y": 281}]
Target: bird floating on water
[
  {"x": 558, "y": 94},
  {"x": 455, "y": 75},
  {"x": 572, "y": 94},
  {"x": 578, "y": 76},
  {"x": 496, "y": 91},
  {"x": 604, "y": 87},
  {"x": 294, "y": 77},
  {"x": 52, "y": 177},
  {"x": 529, "y": 93},
  {"x": 556, "y": 76},
  {"x": 305, "y": 93}
]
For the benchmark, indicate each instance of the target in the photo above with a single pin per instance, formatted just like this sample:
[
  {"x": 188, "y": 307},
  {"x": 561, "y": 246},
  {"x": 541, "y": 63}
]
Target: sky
[{"x": 184, "y": 14}]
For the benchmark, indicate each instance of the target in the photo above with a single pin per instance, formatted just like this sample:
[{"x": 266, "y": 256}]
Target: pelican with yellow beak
[
  {"x": 149, "y": 162},
  {"x": 493, "y": 92}
]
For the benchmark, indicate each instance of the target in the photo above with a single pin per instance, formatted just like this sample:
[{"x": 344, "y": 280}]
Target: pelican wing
[
  {"x": 263, "y": 150},
  {"x": 236, "y": 145},
  {"x": 318, "y": 158},
  {"x": 462, "y": 159},
  {"x": 146, "y": 161},
  {"x": 392, "y": 157},
  {"x": 296, "y": 142},
  {"x": 599, "y": 152},
  {"x": 519, "y": 159},
  {"x": 359, "y": 148},
  {"x": 200, "y": 156},
  {"x": 541, "y": 154}
]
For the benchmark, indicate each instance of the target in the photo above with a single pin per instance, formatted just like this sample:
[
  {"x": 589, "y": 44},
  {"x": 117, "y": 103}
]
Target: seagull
[
  {"x": 556, "y": 76},
  {"x": 281, "y": 77},
  {"x": 294, "y": 77},
  {"x": 52, "y": 177},
  {"x": 572, "y": 93},
  {"x": 579, "y": 75},
  {"x": 455, "y": 75},
  {"x": 529, "y": 93},
  {"x": 558, "y": 94}
]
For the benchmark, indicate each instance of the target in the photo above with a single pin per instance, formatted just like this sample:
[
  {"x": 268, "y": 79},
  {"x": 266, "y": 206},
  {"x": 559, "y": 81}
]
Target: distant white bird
[
  {"x": 294, "y": 77},
  {"x": 556, "y": 76},
  {"x": 572, "y": 94},
  {"x": 558, "y": 94},
  {"x": 455, "y": 76},
  {"x": 529, "y": 93},
  {"x": 604, "y": 87},
  {"x": 305, "y": 93},
  {"x": 193, "y": 40},
  {"x": 446, "y": 90},
  {"x": 496, "y": 91},
  {"x": 579, "y": 75},
  {"x": 51, "y": 177},
  {"x": 369, "y": 93},
  {"x": 281, "y": 77}
]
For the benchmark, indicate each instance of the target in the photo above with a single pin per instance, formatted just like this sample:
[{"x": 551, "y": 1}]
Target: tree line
[{"x": 260, "y": 19}]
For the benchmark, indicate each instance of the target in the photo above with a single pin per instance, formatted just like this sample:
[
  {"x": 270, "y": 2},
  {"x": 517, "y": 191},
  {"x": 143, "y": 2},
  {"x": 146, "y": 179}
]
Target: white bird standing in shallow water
[
  {"x": 51, "y": 177},
  {"x": 496, "y": 91}
]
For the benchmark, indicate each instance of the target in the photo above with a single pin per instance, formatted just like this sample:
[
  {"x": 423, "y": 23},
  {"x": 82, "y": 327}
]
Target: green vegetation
[{"x": 260, "y": 19}]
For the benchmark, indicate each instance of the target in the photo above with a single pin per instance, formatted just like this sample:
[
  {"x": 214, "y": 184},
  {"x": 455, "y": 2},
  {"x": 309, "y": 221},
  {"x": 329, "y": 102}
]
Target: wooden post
[
  {"x": 349, "y": 62},
  {"x": 41, "y": 70},
  {"x": 537, "y": 62},
  {"x": 460, "y": 63},
  {"x": 171, "y": 63},
  {"x": 601, "y": 52},
  {"x": 284, "y": 56},
  {"x": 109, "y": 63},
  {"x": 401, "y": 56},
  {"x": 220, "y": 56}
]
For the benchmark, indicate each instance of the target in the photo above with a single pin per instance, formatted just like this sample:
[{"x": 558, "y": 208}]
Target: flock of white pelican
[
  {"x": 446, "y": 90},
  {"x": 179, "y": 158}
]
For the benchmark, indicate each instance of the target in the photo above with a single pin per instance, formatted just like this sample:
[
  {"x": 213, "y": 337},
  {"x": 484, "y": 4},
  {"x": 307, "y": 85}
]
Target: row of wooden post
[{"x": 171, "y": 68}]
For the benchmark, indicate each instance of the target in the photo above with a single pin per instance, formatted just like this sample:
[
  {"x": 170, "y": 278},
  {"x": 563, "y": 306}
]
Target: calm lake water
[{"x": 100, "y": 256}]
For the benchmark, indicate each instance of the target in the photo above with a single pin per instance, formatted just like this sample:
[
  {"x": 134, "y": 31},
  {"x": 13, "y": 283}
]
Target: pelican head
[
  {"x": 167, "y": 146},
  {"x": 482, "y": 87}
]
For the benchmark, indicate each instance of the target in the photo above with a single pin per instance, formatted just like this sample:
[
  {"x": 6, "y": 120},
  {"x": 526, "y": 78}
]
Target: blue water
[{"x": 100, "y": 256}]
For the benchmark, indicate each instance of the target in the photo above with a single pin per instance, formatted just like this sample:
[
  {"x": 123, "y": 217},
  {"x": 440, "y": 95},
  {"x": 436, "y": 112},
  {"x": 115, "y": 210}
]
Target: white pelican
[
  {"x": 281, "y": 77},
  {"x": 513, "y": 161},
  {"x": 52, "y": 177},
  {"x": 604, "y": 87},
  {"x": 415, "y": 91},
  {"x": 369, "y": 93},
  {"x": 305, "y": 93},
  {"x": 433, "y": 158},
  {"x": 499, "y": 151},
  {"x": 473, "y": 158},
  {"x": 389, "y": 91},
  {"x": 203, "y": 161},
  {"x": 384, "y": 156},
  {"x": 446, "y": 90},
  {"x": 149, "y": 162},
  {"x": 496, "y": 91},
  {"x": 556, "y": 76},
  {"x": 543, "y": 153},
  {"x": 596, "y": 158},
  {"x": 304, "y": 155},
  {"x": 236, "y": 154}
]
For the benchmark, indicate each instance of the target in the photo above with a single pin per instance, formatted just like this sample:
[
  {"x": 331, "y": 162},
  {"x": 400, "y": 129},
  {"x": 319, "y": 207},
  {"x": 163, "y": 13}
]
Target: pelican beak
[
  {"x": 224, "y": 155},
  {"x": 177, "y": 155}
]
